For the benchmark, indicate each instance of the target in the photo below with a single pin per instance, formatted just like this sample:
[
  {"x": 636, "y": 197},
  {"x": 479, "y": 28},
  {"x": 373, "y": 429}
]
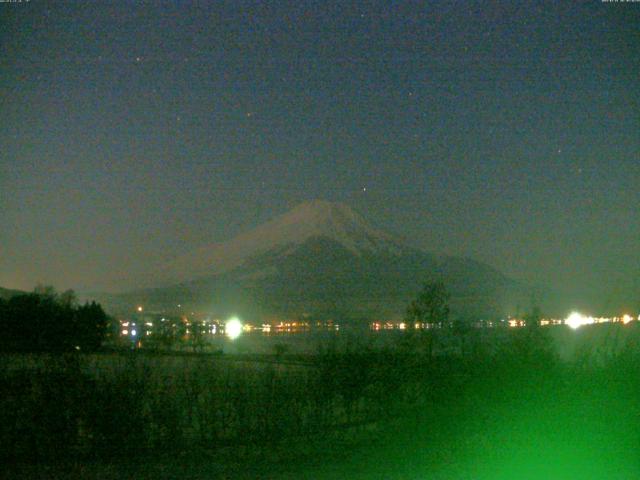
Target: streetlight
[{"x": 233, "y": 328}]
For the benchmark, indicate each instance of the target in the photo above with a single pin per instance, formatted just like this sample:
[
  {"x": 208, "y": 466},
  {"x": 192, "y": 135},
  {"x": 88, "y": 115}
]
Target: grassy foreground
[{"x": 517, "y": 412}]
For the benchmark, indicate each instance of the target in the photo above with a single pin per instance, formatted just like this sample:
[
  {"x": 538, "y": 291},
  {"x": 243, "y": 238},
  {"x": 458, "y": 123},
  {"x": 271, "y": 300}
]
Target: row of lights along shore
[{"x": 233, "y": 327}]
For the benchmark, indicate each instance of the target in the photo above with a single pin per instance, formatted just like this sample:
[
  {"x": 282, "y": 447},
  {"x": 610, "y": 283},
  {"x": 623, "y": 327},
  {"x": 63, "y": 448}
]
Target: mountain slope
[
  {"x": 6, "y": 293},
  {"x": 324, "y": 260},
  {"x": 310, "y": 219}
]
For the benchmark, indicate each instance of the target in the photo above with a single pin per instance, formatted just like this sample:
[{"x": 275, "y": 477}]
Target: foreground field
[{"x": 518, "y": 412}]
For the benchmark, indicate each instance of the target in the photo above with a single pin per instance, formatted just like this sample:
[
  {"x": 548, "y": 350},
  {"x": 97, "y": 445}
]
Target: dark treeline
[{"x": 44, "y": 321}]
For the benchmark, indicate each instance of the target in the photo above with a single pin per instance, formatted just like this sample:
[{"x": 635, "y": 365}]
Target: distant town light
[
  {"x": 139, "y": 308},
  {"x": 233, "y": 328},
  {"x": 133, "y": 333},
  {"x": 626, "y": 319}
]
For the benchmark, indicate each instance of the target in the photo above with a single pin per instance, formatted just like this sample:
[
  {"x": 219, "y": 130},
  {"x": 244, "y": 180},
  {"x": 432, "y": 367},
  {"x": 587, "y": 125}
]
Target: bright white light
[
  {"x": 139, "y": 309},
  {"x": 576, "y": 320},
  {"x": 233, "y": 328},
  {"x": 626, "y": 319},
  {"x": 133, "y": 333}
]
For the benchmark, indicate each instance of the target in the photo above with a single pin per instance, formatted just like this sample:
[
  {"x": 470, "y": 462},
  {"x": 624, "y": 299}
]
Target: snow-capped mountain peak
[
  {"x": 336, "y": 221},
  {"x": 310, "y": 219}
]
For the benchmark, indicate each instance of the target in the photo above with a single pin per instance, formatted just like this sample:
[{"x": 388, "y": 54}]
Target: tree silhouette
[
  {"x": 431, "y": 306},
  {"x": 46, "y": 322},
  {"x": 429, "y": 309},
  {"x": 90, "y": 323}
]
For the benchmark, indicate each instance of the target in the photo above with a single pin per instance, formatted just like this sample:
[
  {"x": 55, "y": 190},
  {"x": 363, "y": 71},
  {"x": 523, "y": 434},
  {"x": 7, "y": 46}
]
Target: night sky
[{"x": 509, "y": 132}]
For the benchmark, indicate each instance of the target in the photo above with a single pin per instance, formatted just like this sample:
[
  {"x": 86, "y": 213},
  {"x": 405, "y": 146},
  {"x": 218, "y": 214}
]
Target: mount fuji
[
  {"x": 321, "y": 260},
  {"x": 314, "y": 219}
]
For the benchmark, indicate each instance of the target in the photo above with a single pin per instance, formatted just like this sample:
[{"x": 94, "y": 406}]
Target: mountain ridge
[
  {"x": 324, "y": 260},
  {"x": 7, "y": 293},
  {"x": 316, "y": 218}
]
